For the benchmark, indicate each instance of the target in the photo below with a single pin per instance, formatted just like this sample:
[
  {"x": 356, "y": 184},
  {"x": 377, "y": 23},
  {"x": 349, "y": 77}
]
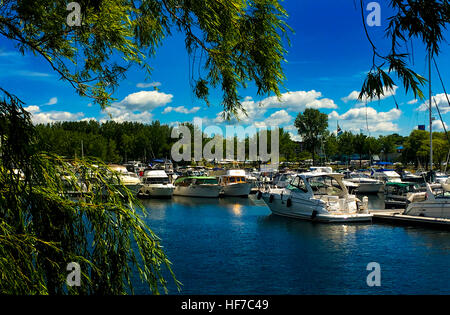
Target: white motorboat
[
  {"x": 446, "y": 185},
  {"x": 434, "y": 206},
  {"x": 156, "y": 184},
  {"x": 440, "y": 178},
  {"x": 128, "y": 179},
  {"x": 366, "y": 185},
  {"x": 407, "y": 176},
  {"x": 197, "y": 186},
  {"x": 387, "y": 176},
  {"x": 399, "y": 195},
  {"x": 234, "y": 183},
  {"x": 282, "y": 180},
  {"x": 351, "y": 186},
  {"x": 317, "y": 196}
]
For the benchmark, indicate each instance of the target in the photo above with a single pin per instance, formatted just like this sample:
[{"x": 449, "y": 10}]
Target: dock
[{"x": 395, "y": 216}]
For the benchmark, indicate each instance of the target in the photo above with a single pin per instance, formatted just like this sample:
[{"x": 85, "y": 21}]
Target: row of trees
[
  {"x": 118, "y": 142},
  {"x": 115, "y": 142},
  {"x": 415, "y": 148}
]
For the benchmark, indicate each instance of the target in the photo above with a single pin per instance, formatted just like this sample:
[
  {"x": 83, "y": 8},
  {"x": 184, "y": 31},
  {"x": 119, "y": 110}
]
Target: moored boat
[
  {"x": 197, "y": 186},
  {"x": 366, "y": 185},
  {"x": 317, "y": 196},
  {"x": 126, "y": 178},
  {"x": 434, "y": 206},
  {"x": 234, "y": 183},
  {"x": 156, "y": 184},
  {"x": 399, "y": 195}
]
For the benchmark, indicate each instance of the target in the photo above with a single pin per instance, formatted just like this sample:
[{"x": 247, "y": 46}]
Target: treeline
[
  {"x": 413, "y": 149},
  {"x": 119, "y": 142},
  {"x": 110, "y": 141}
]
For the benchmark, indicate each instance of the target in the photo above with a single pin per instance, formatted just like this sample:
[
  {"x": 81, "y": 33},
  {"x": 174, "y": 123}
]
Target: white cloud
[
  {"x": 33, "y": 74},
  {"x": 146, "y": 85},
  {"x": 32, "y": 109},
  {"x": 276, "y": 119},
  {"x": 295, "y": 136},
  {"x": 38, "y": 117},
  {"x": 180, "y": 109},
  {"x": 137, "y": 106},
  {"x": 52, "y": 101},
  {"x": 353, "y": 96},
  {"x": 296, "y": 101},
  {"x": 54, "y": 116},
  {"x": 121, "y": 116},
  {"x": 441, "y": 101},
  {"x": 437, "y": 125},
  {"x": 414, "y": 101},
  {"x": 299, "y": 100},
  {"x": 356, "y": 119},
  {"x": 144, "y": 100}
]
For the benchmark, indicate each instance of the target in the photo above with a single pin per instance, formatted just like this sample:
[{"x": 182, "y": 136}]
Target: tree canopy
[
  {"x": 312, "y": 126},
  {"x": 234, "y": 41}
]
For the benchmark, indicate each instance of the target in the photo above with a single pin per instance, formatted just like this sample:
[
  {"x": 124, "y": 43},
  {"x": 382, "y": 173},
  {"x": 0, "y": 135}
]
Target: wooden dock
[{"x": 394, "y": 216}]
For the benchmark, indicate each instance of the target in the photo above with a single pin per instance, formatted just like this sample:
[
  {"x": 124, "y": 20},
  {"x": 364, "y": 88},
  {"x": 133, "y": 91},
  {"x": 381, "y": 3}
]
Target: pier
[{"x": 394, "y": 216}]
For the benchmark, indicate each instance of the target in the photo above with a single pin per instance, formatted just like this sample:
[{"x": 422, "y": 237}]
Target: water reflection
[{"x": 236, "y": 246}]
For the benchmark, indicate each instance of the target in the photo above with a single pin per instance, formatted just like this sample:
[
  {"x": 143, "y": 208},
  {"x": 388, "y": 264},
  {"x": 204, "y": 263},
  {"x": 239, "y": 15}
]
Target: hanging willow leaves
[
  {"x": 43, "y": 227},
  {"x": 414, "y": 19},
  {"x": 233, "y": 41}
]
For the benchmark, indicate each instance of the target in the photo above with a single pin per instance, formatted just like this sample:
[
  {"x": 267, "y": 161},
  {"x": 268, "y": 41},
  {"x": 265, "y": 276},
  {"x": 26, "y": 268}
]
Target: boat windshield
[
  {"x": 325, "y": 185},
  {"x": 297, "y": 184}
]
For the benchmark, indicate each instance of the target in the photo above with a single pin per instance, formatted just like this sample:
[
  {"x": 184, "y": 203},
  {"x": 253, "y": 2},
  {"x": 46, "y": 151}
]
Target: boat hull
[
  {"x": 162, "y": 191},
  {"x": 237, "y": 190},
  {"x": 204, "y": 191},
  {"x": 430, "y": 209},
  {"x": 311, "y": 210}
]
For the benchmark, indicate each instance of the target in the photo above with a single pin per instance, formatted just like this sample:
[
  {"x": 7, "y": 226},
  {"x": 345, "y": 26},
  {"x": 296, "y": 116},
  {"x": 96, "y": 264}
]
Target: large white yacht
[
  {"x": 282, "y": 180},
  {"x": 234, "y": 183},
  {"x": 434, "y": 206},
  {"x": 128, "y": 179},
  {"x": 317, "y": 196},
  {"x": 156, "y": 184},
  {"x": 197, "y": 186},
  {"x": 351, "y": 186}
]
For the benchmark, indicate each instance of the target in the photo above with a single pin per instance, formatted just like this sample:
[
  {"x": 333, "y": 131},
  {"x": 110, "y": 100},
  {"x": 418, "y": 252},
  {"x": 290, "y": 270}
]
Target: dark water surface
[{"x": 236, "y": 246}]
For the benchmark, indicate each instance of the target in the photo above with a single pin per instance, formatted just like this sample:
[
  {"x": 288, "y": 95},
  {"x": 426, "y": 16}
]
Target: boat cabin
[
  {"x": 229, "y": 180},
  {"x": 319, "y": 184},
  {"x": 203, "y": 180}
]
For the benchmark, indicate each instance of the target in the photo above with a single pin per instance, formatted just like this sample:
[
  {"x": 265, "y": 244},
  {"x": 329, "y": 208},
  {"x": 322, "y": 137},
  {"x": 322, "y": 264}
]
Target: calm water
[{"x": 236, "y": 246}]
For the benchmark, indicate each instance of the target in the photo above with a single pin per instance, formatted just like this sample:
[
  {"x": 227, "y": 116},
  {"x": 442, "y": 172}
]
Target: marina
[{"x": 224, "y": 148}]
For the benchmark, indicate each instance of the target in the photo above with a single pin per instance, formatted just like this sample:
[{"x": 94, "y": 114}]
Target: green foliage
[
  {"x": 110, "y": 141},
  {"x": 422, "y": 19},
  {"x": 312, "y": 126},
  {"x": 234, "y": 41},
  {"x": 43, "y": 228},
  {"x": 417, "y": 148}
]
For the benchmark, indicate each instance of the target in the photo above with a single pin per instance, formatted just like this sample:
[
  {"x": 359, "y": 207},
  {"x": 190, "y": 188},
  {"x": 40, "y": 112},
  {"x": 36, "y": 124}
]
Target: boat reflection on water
[{"x": 221, "y": 202}]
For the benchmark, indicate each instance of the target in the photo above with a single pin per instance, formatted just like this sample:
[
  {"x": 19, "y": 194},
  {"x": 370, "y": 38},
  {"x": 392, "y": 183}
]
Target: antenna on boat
[{"x": 431, "y": 121}]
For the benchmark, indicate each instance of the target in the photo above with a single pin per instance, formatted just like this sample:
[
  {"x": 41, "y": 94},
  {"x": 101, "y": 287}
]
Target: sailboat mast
[{"x": 431, "y": 122}]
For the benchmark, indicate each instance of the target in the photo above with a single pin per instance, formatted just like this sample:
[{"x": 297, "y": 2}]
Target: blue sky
[{"x": 326, "y": 63}]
